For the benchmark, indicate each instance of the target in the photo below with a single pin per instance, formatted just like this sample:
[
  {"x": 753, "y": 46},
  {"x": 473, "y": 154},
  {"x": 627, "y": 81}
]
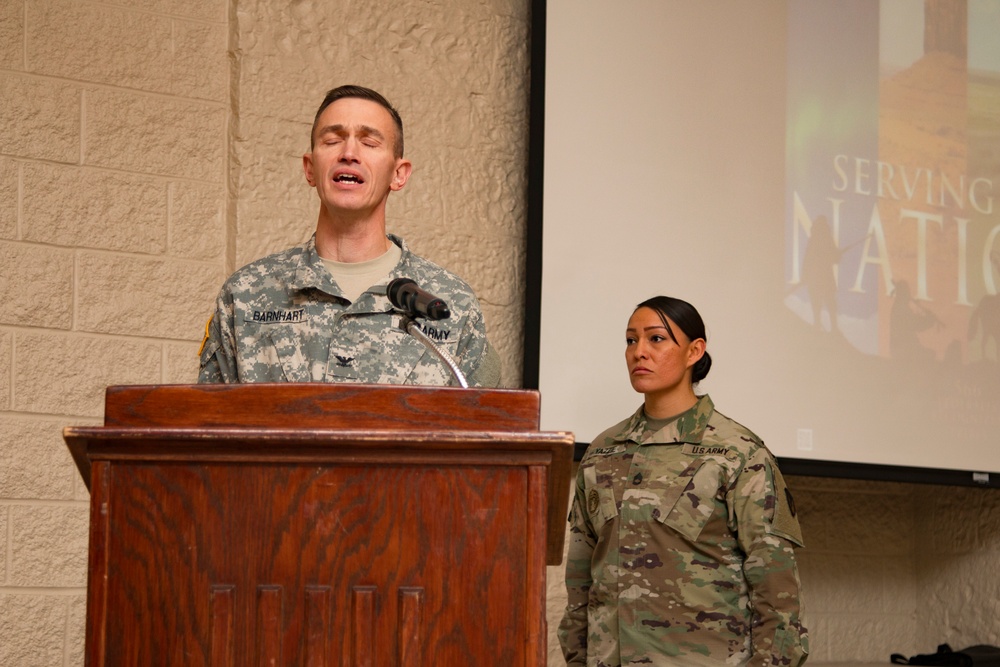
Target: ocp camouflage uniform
[
  {"x": 283, "y": 318},
  {"x": 681, "y": 549}
]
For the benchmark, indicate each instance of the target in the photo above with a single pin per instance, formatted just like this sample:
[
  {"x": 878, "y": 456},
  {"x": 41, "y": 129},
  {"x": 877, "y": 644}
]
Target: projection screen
[{"x": 819, "y": 178}]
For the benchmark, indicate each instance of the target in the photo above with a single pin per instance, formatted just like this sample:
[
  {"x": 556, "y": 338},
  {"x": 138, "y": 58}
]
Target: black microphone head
[
  {"x": 405, "y": 295},
  {"x": 392, "y": 291},
  {"x": 438, "y": 310}
]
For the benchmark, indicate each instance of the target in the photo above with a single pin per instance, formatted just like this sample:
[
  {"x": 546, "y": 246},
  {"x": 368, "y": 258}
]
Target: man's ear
[
  {"x": 307, "y": 169},
  {"x": 402, "y": 174}
]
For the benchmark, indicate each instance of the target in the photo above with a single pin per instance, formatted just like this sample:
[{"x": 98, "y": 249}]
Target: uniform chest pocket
[
  {"x": 690, "y": 502},
  {"x": 293, "y": 354}
]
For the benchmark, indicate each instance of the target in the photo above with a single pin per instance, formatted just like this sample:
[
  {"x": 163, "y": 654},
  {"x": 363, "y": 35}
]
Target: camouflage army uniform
[
  {"x": 681, "y": 549},
  {"x": 284, "y": 319}
]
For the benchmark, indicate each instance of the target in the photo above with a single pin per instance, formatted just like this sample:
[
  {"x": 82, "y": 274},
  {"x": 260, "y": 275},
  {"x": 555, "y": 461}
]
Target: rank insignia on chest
[{"x": 593, "y": 501}]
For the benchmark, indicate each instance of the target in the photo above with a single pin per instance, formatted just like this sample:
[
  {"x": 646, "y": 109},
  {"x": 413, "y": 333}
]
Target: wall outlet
[{"x": 804, "y": 439}]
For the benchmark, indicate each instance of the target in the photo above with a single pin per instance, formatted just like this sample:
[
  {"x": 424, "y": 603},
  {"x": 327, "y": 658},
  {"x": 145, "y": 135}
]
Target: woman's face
[{"x": 657, "y": 365}]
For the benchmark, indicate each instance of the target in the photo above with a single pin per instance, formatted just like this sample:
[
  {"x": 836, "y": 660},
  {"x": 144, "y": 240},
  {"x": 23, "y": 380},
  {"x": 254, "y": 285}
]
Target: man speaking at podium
[{"x": 318, "y": 312}]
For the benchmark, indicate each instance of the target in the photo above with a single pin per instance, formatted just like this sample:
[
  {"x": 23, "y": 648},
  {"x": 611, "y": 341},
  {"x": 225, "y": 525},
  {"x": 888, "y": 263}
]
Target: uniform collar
[
  {"x": 688, "y": 428},
  {"x": 311, "y": 273}
]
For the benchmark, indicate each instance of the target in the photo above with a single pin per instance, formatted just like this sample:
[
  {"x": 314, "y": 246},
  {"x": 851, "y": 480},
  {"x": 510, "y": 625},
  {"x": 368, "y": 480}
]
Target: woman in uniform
[{"x": 682, "y": 533}]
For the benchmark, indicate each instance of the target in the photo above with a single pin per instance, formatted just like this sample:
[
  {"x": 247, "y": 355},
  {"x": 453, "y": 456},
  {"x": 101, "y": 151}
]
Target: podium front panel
[{"x": 415, "y": 538}]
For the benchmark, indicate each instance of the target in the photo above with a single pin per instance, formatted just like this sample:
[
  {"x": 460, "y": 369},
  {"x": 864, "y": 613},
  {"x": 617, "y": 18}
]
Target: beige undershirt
[
  {"x": 356, "y": 277},
  {"x": 654, "y": 425}
]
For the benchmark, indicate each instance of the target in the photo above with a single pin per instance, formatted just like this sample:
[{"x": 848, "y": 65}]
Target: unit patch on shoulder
[
  {"x": 205, "y": 339},
  {"x": 791, "y": 502}
]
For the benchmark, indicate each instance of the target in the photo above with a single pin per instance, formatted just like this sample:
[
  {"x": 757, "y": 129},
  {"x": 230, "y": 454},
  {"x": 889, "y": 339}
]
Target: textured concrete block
[
  {"x": 841, "y": 583},
  {"x": 181, "y": 365},
  {"x": 155, "y": 135},
  {"x": 275, "y": 207},
  {"x": 989, "y": 522},
  {"x": 11, "y": 35},
  {"x": 49, "y": 545},
  {"x": 31, "y": 270},
  {"x": 119, "y": 211},
  {"x": 207, "y": 10},
  {"x": 949, "y": 519},
  {"x": 482, "y": 187},
  {"x": 35, "y": 113},
  {"x": 288, "y": 64},
  {"x": 100, "y": 44},
  {"x": 33, "y": 627},
  {"x": 67, "y": 374},
  {"x": 838, "y": 485},
  {"x": 960, "y": 600},
  {"x": 889, "y": 527},
  {"x": 200, "y": 66},
  {"x": 8, "y": 198},
  {"x": 900, "y": 577},
  {"x": 866, "y": 638},
  {"x": 491, "y": 265},
  {"x": 866, "y": 523},
  {"x": 135, "y": 296},
  {"x": 76, "y": 629},
  {"x": 197, "y": 223},
  {"x": 960, "y": 597},
  {"x": 6, "y": 352},
  {"x": 4, "y": 522},
  {"x": 34, "y": 461}
]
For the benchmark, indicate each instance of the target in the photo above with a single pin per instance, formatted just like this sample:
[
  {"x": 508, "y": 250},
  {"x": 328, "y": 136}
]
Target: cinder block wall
[
  {"x": 149, "y": 148},
  {"x": 113, "y": 183},
  {"x": 898, "y": 568}
]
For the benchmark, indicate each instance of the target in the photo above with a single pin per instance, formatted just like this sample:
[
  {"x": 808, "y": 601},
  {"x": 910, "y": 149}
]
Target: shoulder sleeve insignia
[
  {"x": 786, "y": 522},
  {"x": 205, "y": 339},
  {"x": 791, "y": 501}
]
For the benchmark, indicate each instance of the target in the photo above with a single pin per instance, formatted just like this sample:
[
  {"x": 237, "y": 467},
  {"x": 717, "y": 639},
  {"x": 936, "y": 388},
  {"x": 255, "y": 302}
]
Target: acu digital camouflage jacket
[
  {"x": 283, "y": 318},
  {"x": 681, "y": 549}
]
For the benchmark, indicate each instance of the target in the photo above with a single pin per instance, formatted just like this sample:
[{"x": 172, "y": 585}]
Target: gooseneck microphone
[
  {"x": 404, "y": 294},
  {"x": 414, "y": 302}
]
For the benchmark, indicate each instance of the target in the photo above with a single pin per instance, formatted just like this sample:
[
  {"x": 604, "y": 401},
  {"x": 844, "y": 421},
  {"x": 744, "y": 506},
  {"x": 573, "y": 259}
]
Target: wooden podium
[{"x": 320, "y": 525}]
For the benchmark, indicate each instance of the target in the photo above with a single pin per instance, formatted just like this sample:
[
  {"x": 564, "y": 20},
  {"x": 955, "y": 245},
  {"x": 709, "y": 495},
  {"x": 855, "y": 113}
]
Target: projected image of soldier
[
  {"x": 907, "y": 319},
  {"x": 984, "y": 322},
  {"x": 819, "y": 272}
]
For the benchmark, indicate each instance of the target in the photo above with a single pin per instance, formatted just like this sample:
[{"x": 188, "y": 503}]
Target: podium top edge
[{"x": 322, "y": 405}]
